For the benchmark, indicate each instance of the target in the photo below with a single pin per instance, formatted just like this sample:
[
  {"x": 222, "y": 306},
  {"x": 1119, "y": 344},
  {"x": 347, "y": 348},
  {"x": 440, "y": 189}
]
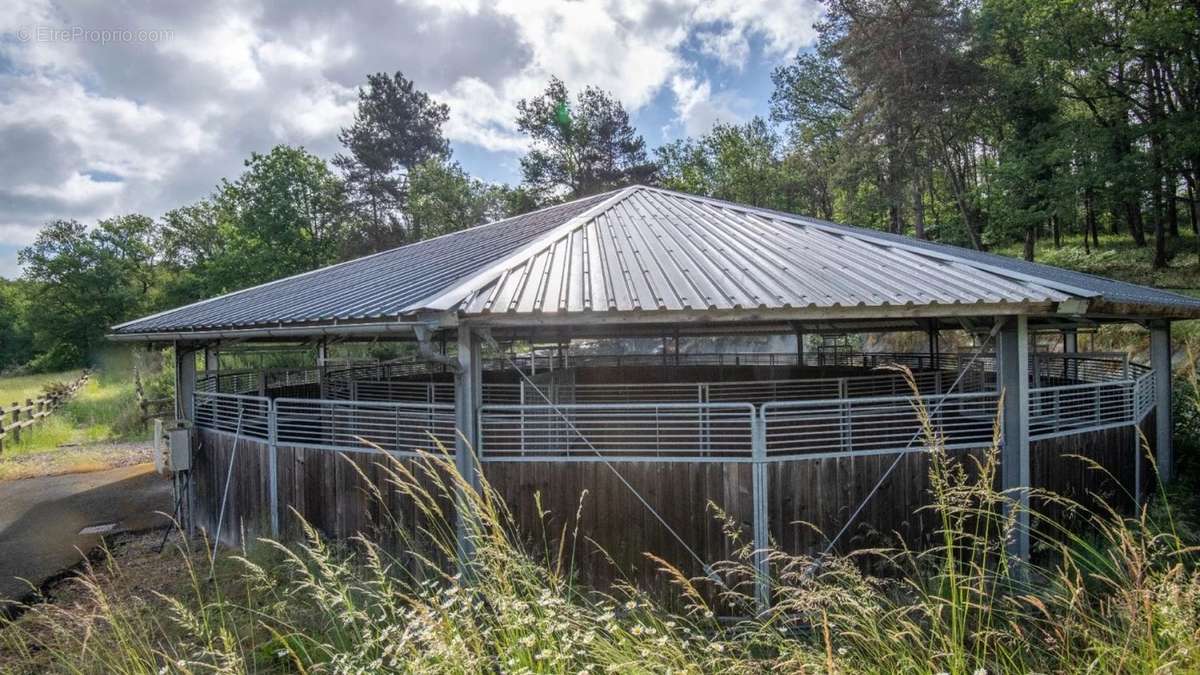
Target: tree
[
  {"x": 581, "y": 151},
  {"x": 396, "y": 127},
  {"x": 84, "y": 281},
  {"x": 737, "y": 162},
  {"x": 16, "y": 335},
  {"x": 285, "y": 215},
  {"x": 880, "y": 104},
  {"x": 443, "y": 198},
  {"x": 192, "y": 245}
]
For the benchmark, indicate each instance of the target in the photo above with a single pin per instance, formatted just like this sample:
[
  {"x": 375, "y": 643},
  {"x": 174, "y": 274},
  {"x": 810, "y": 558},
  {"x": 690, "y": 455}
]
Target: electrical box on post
[{"x": 179, "y": 440}]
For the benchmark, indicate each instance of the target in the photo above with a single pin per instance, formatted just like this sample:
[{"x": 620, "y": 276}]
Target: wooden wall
[
  {"x": 808, "y": 500},
  {"x": 612, "y": 522},
  {"x": 247, "y": 508}
]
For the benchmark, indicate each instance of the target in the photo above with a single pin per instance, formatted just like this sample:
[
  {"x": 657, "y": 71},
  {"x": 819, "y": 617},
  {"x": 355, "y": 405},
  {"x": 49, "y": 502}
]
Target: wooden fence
[
  {"x": 17, "y": 417},
  {"x": 150, "y": 408}
]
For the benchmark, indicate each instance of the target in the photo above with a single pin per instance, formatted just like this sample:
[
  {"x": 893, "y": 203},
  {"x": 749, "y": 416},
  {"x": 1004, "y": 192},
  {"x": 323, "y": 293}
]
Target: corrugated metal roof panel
[
  {"x": 379, "y": 285},
  {"x": 645, "y": 249},
  {"x": 657, "y": 250}
]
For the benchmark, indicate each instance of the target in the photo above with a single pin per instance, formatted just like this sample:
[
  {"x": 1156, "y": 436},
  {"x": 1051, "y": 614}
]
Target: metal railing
[
  {"x": 1061, "y": 411},
  {"x": 706, "y": 421},
  {"x": 754, "y": 391},
  {"x": 232, "y": 412},
  {"x": 397, "y": 428},
  {"x": 870, "y": 426},
  {"x": 624, "y": 431},
  {"x": 401, "y": 390}
]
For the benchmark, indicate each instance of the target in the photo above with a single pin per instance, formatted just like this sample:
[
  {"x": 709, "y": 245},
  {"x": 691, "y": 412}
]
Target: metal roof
[
  {"x": 376, "y": 286},
  {"x": 657, "y": 250},
  {"x": 646, "y": 249}
]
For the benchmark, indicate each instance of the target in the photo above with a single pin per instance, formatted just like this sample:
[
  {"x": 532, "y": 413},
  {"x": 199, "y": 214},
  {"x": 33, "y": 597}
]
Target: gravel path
[{"x": 76, "y": 459}]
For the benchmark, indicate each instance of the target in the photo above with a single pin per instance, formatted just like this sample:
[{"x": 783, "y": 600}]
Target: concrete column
[
  {"x": 1160, "y": 361},
  {"x": 185, "y": 381},
  {"x": 1012, "y": 366}
]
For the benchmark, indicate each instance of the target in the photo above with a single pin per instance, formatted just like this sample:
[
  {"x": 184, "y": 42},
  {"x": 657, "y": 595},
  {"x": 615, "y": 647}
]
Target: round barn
[{"x": 613, "y": 345}]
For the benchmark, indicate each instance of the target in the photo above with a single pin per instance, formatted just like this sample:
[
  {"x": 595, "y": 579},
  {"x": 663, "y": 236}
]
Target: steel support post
[
  {"x": 185, "y": 382},
  {"x": 933, "y": 346},
  {"x": 1012, "y": 352},
  {"x": 273, "y": 466},
  {"x": 212, "y": 359},
  {"x": 322, "y": 357},
  {"x": 1070, "y": 346},
  {"x": 185, "y": 409},
  {"x": 1160, "y": 362},
  {"x": 467, "y": 387},
  {"x": 762, "y": 571}
]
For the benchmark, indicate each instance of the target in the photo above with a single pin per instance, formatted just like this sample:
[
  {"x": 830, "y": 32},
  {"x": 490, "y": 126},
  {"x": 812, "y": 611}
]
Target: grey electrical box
[{"x": 179, "y": 440}]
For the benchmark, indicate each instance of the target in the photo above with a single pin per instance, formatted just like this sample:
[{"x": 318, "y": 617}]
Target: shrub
[{"x": 60, "y": 357}]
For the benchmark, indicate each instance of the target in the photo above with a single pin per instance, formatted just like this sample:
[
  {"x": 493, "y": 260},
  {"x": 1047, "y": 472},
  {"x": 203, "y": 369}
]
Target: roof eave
[
  {"x": 405, "y": 325},
  {"x": 754, "y": 315}
]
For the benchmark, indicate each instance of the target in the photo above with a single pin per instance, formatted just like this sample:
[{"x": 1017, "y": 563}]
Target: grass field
[
  {"x": 30, "y": 386},
  {"x": 103, "y": 411}
]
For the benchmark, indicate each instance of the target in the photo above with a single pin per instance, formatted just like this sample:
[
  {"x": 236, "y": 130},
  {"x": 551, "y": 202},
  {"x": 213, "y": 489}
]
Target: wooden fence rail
[
  {"x": 18, "y": 417},
  {"x": 150, "y": 408}
]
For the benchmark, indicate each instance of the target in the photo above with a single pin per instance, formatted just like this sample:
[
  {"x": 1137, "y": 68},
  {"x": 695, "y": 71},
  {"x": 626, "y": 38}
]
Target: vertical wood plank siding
[{"x": 808, "y": 500}]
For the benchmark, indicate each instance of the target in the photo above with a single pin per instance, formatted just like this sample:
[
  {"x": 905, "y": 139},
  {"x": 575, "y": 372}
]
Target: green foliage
[
  {"x": 84, "y": 281},
  {"x": 60, "y": 357},
  {"x": 16, "y": 335},
  {"x": 582, "y": 149},
  {"x": 396, "y": 128},
  {"x": 443, "y": 199},
  {"x": 286, "y": 214},
  {"x": 734, "y": 162}
]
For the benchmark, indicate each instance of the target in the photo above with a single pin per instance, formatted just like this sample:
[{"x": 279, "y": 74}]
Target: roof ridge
[
  {"x": 265, "y": 284},
  {"x": 463, "y": 288}
]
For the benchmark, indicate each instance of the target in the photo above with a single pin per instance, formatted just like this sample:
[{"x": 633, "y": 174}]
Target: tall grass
[{"x": 1110, "y": 594}]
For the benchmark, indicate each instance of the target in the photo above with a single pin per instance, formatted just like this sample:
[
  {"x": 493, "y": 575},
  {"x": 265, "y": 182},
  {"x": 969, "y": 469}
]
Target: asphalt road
[{"x": 40, "y": 519}]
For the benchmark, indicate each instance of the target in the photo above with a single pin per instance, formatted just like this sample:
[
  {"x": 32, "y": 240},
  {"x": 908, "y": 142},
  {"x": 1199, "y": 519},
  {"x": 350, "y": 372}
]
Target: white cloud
[
  {"x": 169, "y": 118},
  {"x": 697, "y": 109},
  {"x": 783, "y": 26}
]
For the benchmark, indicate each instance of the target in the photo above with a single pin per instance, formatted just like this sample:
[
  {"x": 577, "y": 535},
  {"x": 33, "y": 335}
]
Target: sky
[{"x": 140, "y": 106}]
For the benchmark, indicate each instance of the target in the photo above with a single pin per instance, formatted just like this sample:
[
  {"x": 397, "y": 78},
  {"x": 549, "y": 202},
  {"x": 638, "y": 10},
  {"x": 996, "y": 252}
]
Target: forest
[{"x": 993, "y": 124}]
